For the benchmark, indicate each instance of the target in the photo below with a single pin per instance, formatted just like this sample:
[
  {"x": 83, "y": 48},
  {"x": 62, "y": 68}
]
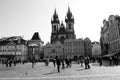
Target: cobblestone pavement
[{"x": 42, "y": 72}]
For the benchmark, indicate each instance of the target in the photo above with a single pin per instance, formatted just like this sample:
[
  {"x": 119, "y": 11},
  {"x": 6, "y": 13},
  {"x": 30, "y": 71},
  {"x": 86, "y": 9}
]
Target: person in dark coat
[
  {"x": 67, "y": 62},
  {"x": 85, "y": 62},
  {"x": 70, "y": 62},
  {"x": 63, "y": 63},
  {"x": 81, "y": 61},
  {"x": 58, "y": 62},
  {"x": 100, "y": 61},
  {"x": 88, "y": 62},
  {"x": 54, "y": 62},
  {"x": 110, "y": 59}
]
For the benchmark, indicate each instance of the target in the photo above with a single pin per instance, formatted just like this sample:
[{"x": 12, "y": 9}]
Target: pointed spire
[
  {"x": 55, "y": 17},
  {"x": 69, "y": 16},
  {"x": 69, "y": 9}
]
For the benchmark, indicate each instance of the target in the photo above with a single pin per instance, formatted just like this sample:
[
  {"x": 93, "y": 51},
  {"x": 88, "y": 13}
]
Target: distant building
[
  {"x": 53, "y": 50},
  {"x": 96, "y": 49},
  {"x": 35, "y": 46},
  {"x": 59, "y": 31},
  {"x": 14, "y": 48},
  {"x": 88, "y": 47},
  {"x": 74, "y": 48},
  {"x": 110, "y": 36}
]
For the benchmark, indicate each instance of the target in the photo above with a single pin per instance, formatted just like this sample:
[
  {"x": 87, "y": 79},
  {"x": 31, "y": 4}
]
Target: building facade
[
  {"x": 74, "y": 48},
  {"x": 88, "y": 47},
  {"x": 53, "y": 50},
  {"x": 59, "y": 31},
  {"x": 110, "y": 35},
  {"x": 96, "y": 49},
  {"x": 35, "y": 46},
  {"x": 14, "y": 48}
]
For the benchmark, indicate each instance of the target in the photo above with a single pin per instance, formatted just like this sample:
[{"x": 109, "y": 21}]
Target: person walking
[
  {"x": 110, "y": 60},
  {"x": 85, "y": 62},
  {"x": 70, "y": 62},
  {"x": 88, "y": 62},
  {"x": 54, "y": 62},
  {"x": 100, "y": 61},
  {"x": 63, "y": 63},
  {"x": 58, "y": 62},
  {"x": 81, "y": 61}
]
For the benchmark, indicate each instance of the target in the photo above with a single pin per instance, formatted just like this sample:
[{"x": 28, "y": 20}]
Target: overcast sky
[{"x": 24, "y": 17}]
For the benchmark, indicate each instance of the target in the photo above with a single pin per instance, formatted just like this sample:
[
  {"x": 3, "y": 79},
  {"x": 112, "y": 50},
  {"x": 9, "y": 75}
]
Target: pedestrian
[
  {"x": 85, "y": 62},
  {"x": 14, "y": 62},
  {"x": 88, "y": 61},
  {"x": 70, "y": 62},
  {"x": 110, "y": 60},
  {"x": 63, "y": 63},
  {"x": 58, "y": 62},
  {"x": 100, "y": 61},
  {"x": 81, "y": 61},
  {"x": 54, "y": 62},
  {"x": 6, "y": 63},
  {"x": 67, "y": 62}
]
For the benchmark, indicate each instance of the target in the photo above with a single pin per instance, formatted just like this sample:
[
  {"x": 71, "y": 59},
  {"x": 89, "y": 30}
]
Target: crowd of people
[
  {"x": 113, "y": 60},
  {"x": 62, "y": 63},
  {"x": 11, "y": 62}
]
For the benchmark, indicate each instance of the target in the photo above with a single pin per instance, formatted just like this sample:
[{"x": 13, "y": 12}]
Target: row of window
[
  {"x": 73, "y": 43},
  {"x": 54, "y": 53},
  {"x": 10, "y": 53},
  {"x": 55, "y": 47},
  {"x": 115, "y": 45},
  {"x": 73, "y": 50},
  {"x": 9, "y": 50},
  {"x": 13, "y": 47}
]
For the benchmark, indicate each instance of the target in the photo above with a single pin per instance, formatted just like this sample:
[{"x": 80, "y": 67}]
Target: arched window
[
  {"x": 54, "y": 27},
  {"x": 70, "y": 26}
]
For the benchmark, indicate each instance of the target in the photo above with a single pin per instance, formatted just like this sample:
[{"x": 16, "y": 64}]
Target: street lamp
[{"x": 32, "y": 56}]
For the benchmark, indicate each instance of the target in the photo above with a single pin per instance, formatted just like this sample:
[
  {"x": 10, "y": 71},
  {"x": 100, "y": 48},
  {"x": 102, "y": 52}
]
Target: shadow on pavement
[
  {"x": 81, "y": 69},
  {"x": 5, "y": 69},
  {"x": 52, "y": 72}
]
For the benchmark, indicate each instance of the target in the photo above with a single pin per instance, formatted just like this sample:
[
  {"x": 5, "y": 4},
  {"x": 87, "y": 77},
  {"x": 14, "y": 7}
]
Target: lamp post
[{"x": 32, "y": 56}]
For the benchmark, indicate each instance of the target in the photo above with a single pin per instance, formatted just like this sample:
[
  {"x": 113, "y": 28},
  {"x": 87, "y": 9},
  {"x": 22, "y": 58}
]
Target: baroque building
[
  {"x": 110, "y": 36},
  {"x": 96, "y": 49},
  {"x": 60, "y": 32},
  {"x": 14, "y": 48},
  {"x": 53, "y": 50},
  {"x": 74, "y": 48},
  {"x": 35, "y": 46}
]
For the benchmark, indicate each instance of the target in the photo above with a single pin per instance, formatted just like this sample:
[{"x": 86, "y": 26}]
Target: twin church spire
[
  {"x": 61, "y": 32},
  {"x": 69, "y": 17}
]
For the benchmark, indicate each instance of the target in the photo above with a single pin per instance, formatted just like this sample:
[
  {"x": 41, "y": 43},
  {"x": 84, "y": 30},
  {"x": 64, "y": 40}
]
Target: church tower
[
  {"x": 69, "y": 19},
  {"x": 55, "y": 25}
]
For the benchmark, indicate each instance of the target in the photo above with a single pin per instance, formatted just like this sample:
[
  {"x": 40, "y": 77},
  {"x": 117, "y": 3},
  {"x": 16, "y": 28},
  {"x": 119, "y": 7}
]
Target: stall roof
[{"x": 108, "y": 55}]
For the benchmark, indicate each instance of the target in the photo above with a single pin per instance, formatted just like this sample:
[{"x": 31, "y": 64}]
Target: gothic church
[{"x": 59, "y": 31}]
